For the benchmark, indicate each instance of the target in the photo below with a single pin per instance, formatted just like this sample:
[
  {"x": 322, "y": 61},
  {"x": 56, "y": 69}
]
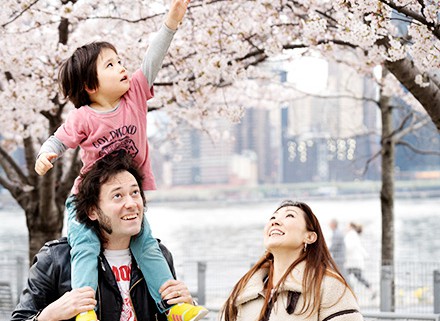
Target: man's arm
[
  {"x": 46, "y": 295},
  {"x": 69, "y": 305},
  {"x": 39, "y": 288}
]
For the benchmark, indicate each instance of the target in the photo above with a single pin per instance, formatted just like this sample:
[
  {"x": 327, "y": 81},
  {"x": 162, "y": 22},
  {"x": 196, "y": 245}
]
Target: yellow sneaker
[
  {"x": 87, "y": 316},
  {"x": 186, "y": 312}
]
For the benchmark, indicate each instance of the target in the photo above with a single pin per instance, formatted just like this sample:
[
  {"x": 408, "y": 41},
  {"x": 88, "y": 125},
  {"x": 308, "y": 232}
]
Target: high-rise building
[
  {"x": 197, "y": 159},
  {"x": 323, "y": 132},
  {"x": 254, "y": 134}
]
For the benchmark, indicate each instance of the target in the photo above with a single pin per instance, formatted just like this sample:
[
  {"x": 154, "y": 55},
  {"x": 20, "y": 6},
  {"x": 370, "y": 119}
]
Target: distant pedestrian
[
  {"x": 337, "y": 246},
  {"x": 355, "y": 256}
]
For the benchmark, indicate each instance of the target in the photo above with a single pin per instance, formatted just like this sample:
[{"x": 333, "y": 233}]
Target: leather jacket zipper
[{"x": 131, "y": 302}]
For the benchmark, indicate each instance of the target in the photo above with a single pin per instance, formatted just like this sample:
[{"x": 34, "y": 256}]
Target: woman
[{"x": 296, "y": 279}]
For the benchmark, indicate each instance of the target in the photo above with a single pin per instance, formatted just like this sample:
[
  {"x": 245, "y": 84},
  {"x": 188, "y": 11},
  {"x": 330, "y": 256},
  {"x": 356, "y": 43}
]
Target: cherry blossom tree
[{"x": 219, "y": 46}]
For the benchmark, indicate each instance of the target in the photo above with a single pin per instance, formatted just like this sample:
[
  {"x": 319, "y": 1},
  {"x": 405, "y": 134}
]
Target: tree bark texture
[{"x": 387, "y": 190}]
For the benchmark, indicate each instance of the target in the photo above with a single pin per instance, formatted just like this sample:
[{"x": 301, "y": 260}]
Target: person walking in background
[
  {"x": 337, "y": 246},
  {"x": 111, "y": 114},
  {"x": 355, "y": 256},
  {"x": 296, "y": 279}
]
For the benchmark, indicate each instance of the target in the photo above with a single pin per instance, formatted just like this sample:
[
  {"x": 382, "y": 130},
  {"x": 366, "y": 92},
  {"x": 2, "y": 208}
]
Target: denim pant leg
[
  {"x": 85, "y": 248},
  {"x": 152, "y": 263}
]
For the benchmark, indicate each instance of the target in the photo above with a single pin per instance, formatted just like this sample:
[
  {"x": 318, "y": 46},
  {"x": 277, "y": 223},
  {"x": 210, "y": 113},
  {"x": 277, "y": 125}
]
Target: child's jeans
[{"x": 85, "y": 249}]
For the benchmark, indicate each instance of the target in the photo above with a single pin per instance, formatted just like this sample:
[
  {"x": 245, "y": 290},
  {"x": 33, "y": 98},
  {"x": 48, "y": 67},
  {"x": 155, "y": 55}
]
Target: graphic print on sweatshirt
[{"x": 118, "y": 139}]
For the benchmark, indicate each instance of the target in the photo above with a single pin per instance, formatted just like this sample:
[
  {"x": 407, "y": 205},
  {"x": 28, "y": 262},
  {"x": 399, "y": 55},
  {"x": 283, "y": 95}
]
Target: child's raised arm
[
  {"x": 161, "y": 41},
  {"x": 175, "y": 13}
]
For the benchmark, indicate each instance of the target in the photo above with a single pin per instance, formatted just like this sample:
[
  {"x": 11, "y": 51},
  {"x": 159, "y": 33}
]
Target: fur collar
[{"x": 255, "y": 286}]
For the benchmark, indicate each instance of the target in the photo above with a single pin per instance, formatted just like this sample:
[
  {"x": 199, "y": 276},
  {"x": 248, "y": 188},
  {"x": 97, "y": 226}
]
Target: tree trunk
[
  {"x": 40, "y": 233},
  {"x": 41, "y": 197},
  {"x": 387, "y": 194},
  {"x": 44, "y": 210}
]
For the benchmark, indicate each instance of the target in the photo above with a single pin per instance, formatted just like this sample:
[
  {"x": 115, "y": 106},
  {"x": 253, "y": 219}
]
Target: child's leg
[
  {"x": 152, "y": 263},
  {"x": 85, "y": 248}
]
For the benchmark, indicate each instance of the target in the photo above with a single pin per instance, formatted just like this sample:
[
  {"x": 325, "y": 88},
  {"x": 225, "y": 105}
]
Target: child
[{"x": 111, "y": 115}]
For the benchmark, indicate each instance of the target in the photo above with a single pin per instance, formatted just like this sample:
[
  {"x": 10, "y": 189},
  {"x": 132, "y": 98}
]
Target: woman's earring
[{"x": 305, "y": 246}]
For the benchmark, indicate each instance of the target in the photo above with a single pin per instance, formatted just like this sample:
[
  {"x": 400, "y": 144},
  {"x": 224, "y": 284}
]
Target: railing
[
  {"x": 368, "y": 316},
  {"x": 13, "y": 272},
  {"x": 6, "y": 303},
  {"x": 371, "y": 316},
  {"x": 416, "y": 284}
]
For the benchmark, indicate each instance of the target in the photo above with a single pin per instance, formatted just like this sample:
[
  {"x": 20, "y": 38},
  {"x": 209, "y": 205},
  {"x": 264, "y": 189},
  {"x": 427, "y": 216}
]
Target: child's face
[{"x": 112, "y": 77}]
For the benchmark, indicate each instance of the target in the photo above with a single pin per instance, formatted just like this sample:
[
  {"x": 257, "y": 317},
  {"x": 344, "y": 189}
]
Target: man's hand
[
  {"x": 44, "y": 163},
  {"x": 174, "y": 291},
  {"x": 69, "y": 305},
  {"x": 176, "y": 13}
]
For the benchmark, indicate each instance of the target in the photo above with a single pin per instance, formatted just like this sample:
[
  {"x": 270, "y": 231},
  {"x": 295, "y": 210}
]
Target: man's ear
[
  {"x": 311, "y": 237},
  {"x": 93, "y": 214}
]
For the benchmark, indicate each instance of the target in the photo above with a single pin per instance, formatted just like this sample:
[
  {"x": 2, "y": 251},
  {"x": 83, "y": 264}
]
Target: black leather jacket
[{"x": 49, "y": 279}]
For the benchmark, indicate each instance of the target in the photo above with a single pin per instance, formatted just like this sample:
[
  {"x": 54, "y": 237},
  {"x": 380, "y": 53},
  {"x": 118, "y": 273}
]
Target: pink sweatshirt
[{"x": 125, "y": 127}]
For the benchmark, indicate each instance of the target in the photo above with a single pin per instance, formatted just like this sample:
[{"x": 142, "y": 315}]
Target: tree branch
[
  {"x": 20, "y": 14},
  {"x": 30, "y": 157},
  {"x": 369, "y": 160},
  {"x": 6, "y": 184},
  {"x": 405, "y": 71},
  {"x": 415, "y": 126},
  {"x": 420, "y": 18},
  {"x": 418, "y": 150},
  {"x": 11, "y": 168}
]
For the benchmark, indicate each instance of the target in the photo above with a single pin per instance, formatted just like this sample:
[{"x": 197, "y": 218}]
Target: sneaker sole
[{"x": 200, "y": 315}]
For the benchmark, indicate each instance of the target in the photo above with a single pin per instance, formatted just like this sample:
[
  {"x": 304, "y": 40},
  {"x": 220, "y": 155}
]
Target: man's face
[{"x": 120, "y": 210}]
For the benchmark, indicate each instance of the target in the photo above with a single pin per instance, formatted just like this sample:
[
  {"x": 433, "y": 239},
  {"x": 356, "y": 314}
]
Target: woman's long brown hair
[{"x": 319, "y": 262}]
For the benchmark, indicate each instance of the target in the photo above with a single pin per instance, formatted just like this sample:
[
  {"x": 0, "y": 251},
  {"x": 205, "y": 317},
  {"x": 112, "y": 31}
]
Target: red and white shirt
[{"x": 120, "y": 262}]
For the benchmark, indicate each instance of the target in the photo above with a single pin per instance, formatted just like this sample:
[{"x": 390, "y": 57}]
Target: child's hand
[
  {"x": 44, "y": 163},
  {"x": 176, "y": 13}
]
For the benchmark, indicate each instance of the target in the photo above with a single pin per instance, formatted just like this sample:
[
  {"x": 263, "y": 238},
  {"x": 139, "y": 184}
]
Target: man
[
  {"x": 110, "y": 201},
  {"x": 337, "y": 246}
]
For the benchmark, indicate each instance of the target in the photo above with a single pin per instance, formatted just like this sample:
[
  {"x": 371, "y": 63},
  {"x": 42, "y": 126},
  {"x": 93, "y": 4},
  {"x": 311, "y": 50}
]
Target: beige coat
[{"x": 251, "y": 300}]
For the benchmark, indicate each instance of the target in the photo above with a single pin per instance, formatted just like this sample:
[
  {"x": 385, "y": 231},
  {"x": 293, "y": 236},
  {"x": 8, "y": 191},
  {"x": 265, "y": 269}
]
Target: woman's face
[{"x": 286, "y": 230}]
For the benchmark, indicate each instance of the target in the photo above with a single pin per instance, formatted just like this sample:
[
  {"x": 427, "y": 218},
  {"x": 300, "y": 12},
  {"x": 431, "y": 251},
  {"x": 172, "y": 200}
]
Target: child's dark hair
[{"x": 79, "y": 72}]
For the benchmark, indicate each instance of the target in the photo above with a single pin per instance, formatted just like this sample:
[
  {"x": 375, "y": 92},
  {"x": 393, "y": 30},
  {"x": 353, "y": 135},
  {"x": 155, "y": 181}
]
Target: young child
[{"x": 111, "y": 114}]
